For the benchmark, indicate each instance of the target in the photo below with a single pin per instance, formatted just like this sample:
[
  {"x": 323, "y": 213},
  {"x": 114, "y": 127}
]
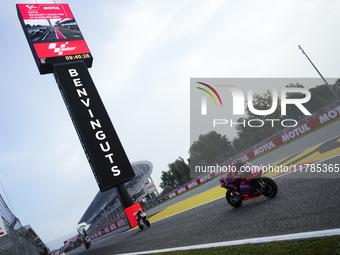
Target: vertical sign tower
[{"x": 58, "y": 47}]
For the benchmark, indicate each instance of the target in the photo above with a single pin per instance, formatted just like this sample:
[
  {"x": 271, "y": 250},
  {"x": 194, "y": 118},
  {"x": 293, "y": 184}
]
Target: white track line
[{"x": 289, "y": 237}]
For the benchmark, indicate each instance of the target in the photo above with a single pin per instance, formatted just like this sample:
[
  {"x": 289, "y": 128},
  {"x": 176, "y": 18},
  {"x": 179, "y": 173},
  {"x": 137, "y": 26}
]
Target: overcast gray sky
[{"x": 145, "y": 53}]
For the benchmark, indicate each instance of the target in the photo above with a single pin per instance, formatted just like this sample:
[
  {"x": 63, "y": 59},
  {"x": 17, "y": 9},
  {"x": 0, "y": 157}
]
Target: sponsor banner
[
  {"x": 121, "y": 223},
  {"x": 205, "y": 178},
  {"x": 191, "y": 185},
  {"x": 151, "y": 188},
  {"x": 296, "y": 132},
  {"x": 181, "y": 190},
  {"x": 98, "y": 137},
  {"x": 329, "y": 115},
  {"x": 173, "y": 194},
  {"x": 112, "y": 227},
  {"x": 57, "y": 49}
]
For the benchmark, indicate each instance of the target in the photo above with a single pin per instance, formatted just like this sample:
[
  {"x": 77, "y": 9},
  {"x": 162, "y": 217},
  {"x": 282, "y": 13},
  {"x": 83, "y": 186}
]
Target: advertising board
[
  {"x": 151, "y": 188},
  {"x": 53, "y": 35},
  {"x": 109, "y": 229},
  {"x": 97, "y": 135}
]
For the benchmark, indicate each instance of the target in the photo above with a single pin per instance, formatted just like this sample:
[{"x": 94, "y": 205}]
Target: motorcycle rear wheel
[
  {"x": 147, "y": 222},
  {"x": 270, "y": 189},
  {"x": 232, "y": 199}
]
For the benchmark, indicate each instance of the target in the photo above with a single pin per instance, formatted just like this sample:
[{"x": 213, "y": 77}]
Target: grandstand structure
[
  {"x": 19, "y": 239},
  {"x": 106, "y": 207}
]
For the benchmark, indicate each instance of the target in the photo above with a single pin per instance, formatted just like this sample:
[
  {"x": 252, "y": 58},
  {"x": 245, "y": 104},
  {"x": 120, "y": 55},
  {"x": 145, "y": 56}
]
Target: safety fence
[
  {"x": 110, "y": 228},
  {"x": 19, "y": 239}
]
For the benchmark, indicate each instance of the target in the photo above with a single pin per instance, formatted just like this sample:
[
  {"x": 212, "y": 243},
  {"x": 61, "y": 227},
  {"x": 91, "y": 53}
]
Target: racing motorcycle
[
  {"x": 251, "y": 185},
  {"x": 143, "y": 221},
  {"x": 87, "y": 242}
]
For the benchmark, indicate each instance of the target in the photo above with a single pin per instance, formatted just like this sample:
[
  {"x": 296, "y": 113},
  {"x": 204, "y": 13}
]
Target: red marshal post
[{"x": 131, "y": 214}]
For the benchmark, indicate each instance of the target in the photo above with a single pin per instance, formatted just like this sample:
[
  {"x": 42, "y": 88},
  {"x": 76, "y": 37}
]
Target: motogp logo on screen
[
  {"x": 31, "y": 7},
  {"x": 61, "y": 49}
]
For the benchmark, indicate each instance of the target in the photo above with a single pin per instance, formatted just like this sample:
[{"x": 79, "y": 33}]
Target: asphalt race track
[{"x": 301, "y": 205}]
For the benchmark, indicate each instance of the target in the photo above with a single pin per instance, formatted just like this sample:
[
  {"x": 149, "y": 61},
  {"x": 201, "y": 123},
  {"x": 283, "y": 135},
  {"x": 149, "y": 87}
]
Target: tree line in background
[
  {"x": 177, "y": 175},
  {"x": 247, "y": 136},
  {"x": 213, "y": 147}
]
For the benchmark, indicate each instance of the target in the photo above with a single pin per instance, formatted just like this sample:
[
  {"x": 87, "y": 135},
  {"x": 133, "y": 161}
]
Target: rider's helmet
[{"x": 238, "y": 163}]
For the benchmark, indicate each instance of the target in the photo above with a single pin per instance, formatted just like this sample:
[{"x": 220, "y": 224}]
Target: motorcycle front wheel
[
  {"x": 233, "y": 199},
  {"x": 147, "y": 222},
  {"x": 268, "y": 187}
]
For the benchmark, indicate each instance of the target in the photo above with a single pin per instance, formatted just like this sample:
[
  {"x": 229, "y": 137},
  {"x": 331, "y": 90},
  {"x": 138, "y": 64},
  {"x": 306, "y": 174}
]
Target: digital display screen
[{"x": 53, "y": 34}]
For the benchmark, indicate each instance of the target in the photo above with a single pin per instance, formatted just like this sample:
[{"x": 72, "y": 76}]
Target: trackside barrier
[
  {"x": 112, "y": 227},
  {"x": 16, "y": 239},
  {"x": 297, "y": 132},
  {"x": 191, "y": 185},
  {"x": 159, "y": 201}
]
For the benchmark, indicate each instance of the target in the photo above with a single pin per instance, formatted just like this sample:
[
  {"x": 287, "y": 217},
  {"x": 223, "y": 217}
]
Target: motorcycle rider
[
  {"x": 235, "y": 169},
  {"x": 138, "y": 214},
  {"x": 236, "y": 173},
  {"x": 238, "y": 176},
  {"x": 84, "y": 235}
]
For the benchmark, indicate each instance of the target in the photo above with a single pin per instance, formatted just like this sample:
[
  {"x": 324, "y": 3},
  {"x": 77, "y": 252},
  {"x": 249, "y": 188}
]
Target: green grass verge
[{"x": 325, "y": 245}]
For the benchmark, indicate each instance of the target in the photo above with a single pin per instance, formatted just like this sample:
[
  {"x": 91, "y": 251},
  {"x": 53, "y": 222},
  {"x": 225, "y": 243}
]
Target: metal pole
[
  {"x": 124, "y": 195},
  {"x": 318, "y": 72},
  {"x": 253, "y": 139},
  {"x": 320, "y": 101},
  {"x": 234, "y": 148}
]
